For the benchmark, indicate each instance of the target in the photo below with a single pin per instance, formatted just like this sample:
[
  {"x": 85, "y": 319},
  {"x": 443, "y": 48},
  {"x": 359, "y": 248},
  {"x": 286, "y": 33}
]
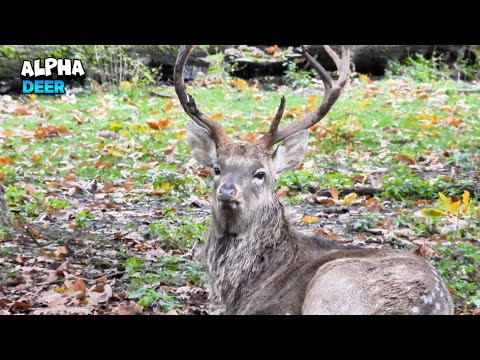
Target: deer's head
[{"x": 245, "y": 174}]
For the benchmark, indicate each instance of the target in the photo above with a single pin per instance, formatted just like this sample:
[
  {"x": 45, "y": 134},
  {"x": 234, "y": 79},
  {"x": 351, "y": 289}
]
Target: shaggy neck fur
[{"x": 244, "y": 249}]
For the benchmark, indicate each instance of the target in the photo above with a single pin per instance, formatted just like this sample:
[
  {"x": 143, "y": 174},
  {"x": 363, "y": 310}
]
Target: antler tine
[
  {"x": 188, "y": 103},
  {"x": 266, "y": 139},
  {"x": 332, "y": 92}
]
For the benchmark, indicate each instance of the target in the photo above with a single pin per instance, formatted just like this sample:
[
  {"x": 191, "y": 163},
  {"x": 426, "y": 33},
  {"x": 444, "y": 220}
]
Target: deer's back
[{"x": 328, "y": 279}]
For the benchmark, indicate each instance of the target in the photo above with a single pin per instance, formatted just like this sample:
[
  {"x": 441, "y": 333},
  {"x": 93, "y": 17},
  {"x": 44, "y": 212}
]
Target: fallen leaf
[
  {"x": 61, "y": 252},
  {"x": 168, "y": 106},
  {"x": 6, "y": 161},
  {"x": 129, "y": 309},
  {"x": 217, "y": 116},
  {"x": 282, "y": 192},
  {"x": 334, "y": 192},
  {"x": 433, "y": 212},
  {"x": 349, "y": 198},
  {"x": 309, "y": 219}
]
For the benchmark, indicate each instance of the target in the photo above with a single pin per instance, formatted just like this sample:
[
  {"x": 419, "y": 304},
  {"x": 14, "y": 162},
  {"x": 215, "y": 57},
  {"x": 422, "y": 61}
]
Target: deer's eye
[
  {"x": 217, "y": 171},
  {"x": 259, "y": 175}
]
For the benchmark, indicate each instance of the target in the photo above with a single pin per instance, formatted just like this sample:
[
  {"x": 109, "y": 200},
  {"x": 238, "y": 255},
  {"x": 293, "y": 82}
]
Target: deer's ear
[
  {"x": 203, "y": 147},
  {"x": 287, "y": 156}
]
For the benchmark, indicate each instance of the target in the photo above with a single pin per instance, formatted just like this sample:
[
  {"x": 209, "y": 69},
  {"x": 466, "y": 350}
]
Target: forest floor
[{"x": 110, "y": 209}]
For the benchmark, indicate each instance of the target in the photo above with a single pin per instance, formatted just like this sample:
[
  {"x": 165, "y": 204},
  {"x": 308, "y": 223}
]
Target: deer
[{"x": 256, "y": 261}]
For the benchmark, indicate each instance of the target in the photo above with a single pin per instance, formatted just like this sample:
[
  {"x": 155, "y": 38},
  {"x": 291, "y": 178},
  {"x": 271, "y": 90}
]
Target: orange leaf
[
  {"x": 131, "y": 102},
  {"x": 153, "y": 125},
  {"x": 61, "y": 252},
  {"x": 36, "y": 157},
  {"x": 453, "y": 121},
  {"x": 7, "y": 133},
  {"x": 30, "y": 189},
  {"x": 108, "y": 188},
  {"x": 168, "y": 106},
  {"x": 6, "y": 161},
  {"x": 282, "y": 192},
  {"x": 217, "y": 116},
  {"x": 21, "y": 111},
  {"x": 312, "y": 99},
  {"x": 405, "y": 158},
  {"x": 334, "y": 192},
  {"x": 271, "y": 49},
  {"x": 128, "y": 186},
  {"x": 154, "y": 112},
  {"x": 2, "y": 175},
  {"x": 250, "y": 137},
  {"x": 70, "y": 178},
  {"x": 35, "y": 233},
  {"x": 164, "y": 123}
]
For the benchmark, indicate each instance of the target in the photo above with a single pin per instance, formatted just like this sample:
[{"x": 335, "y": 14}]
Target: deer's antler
[
  {"x": 218, "y": 133},
  {"x": 332, "y": 92}
]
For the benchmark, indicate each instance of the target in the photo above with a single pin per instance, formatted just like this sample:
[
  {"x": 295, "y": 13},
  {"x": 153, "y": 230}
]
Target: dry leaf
[
  {"x": 349, "y": 198},
  {"x": 334, "y": 192},
  {"x": 309, "y": 219},
  {"x": 282, "y": 192},
  {"x": 131, "y": 309}
]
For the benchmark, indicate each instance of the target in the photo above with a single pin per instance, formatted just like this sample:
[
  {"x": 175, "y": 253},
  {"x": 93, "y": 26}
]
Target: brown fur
[{"x": 259, "y": 265}]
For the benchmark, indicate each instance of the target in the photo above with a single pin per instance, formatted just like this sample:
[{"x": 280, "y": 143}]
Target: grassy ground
[{"x": 110, "y": 207}]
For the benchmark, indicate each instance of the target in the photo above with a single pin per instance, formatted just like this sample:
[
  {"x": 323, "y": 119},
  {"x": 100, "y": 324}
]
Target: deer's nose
[{"x": 227, "y": 192}]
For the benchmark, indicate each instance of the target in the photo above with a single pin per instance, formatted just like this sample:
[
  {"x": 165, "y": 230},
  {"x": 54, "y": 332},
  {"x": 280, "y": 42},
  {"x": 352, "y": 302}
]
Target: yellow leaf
[
  {"x": 349, "y": 198},
  {"x": 312, "y": 99},
  {"x": 454, "y": 207},
  {"x": 444, "y": 198},
  {"x": 309, "y": 219},
  {"x": 364, "y": 79},
  {"x": 238, "y": 83},
  {"x": 165, "y": 188},
  {"x": 466, "y": 200},
  {"x": 433, "y": 212},
  {"x": 363, "y": 104},
  {"x": 32, "y": 96},
  {"x": 334, "y": 192},
  {"x": 125, "y": 85}
]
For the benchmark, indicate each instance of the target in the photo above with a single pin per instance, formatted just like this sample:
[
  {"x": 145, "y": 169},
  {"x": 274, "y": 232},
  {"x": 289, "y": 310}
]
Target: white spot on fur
[
  {"x": 415, "y": 310},
  {"x": 428, "y": 299}
]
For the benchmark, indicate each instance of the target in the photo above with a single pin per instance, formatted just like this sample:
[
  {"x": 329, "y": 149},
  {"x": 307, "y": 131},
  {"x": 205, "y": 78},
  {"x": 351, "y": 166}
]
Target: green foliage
[
  {"x": 419, "y": 68},
  {"x": 306, "y": 179},
  {"x": 297, "y": 78},
  {"x": 3, "y": 235},
  {"x": 117, "y": 65},
  {"x": 178, "y": 233},
  {"x": 19, "y": 201},
  {"x": 9, "y": 51},
  {"x": 82, "y": 218},
  {"x": 58, "y": 203},
  {"x": 421, "y": 226},
  {"x": 146, "y": 279},
  {"x": 459, "y": 265},
  {"x": 404, "y": 184},
  {"x": 363, "y": 222}
]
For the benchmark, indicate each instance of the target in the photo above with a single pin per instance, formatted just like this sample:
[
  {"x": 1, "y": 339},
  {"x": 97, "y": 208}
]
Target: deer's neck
[{"x": 245, "y": 250}]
